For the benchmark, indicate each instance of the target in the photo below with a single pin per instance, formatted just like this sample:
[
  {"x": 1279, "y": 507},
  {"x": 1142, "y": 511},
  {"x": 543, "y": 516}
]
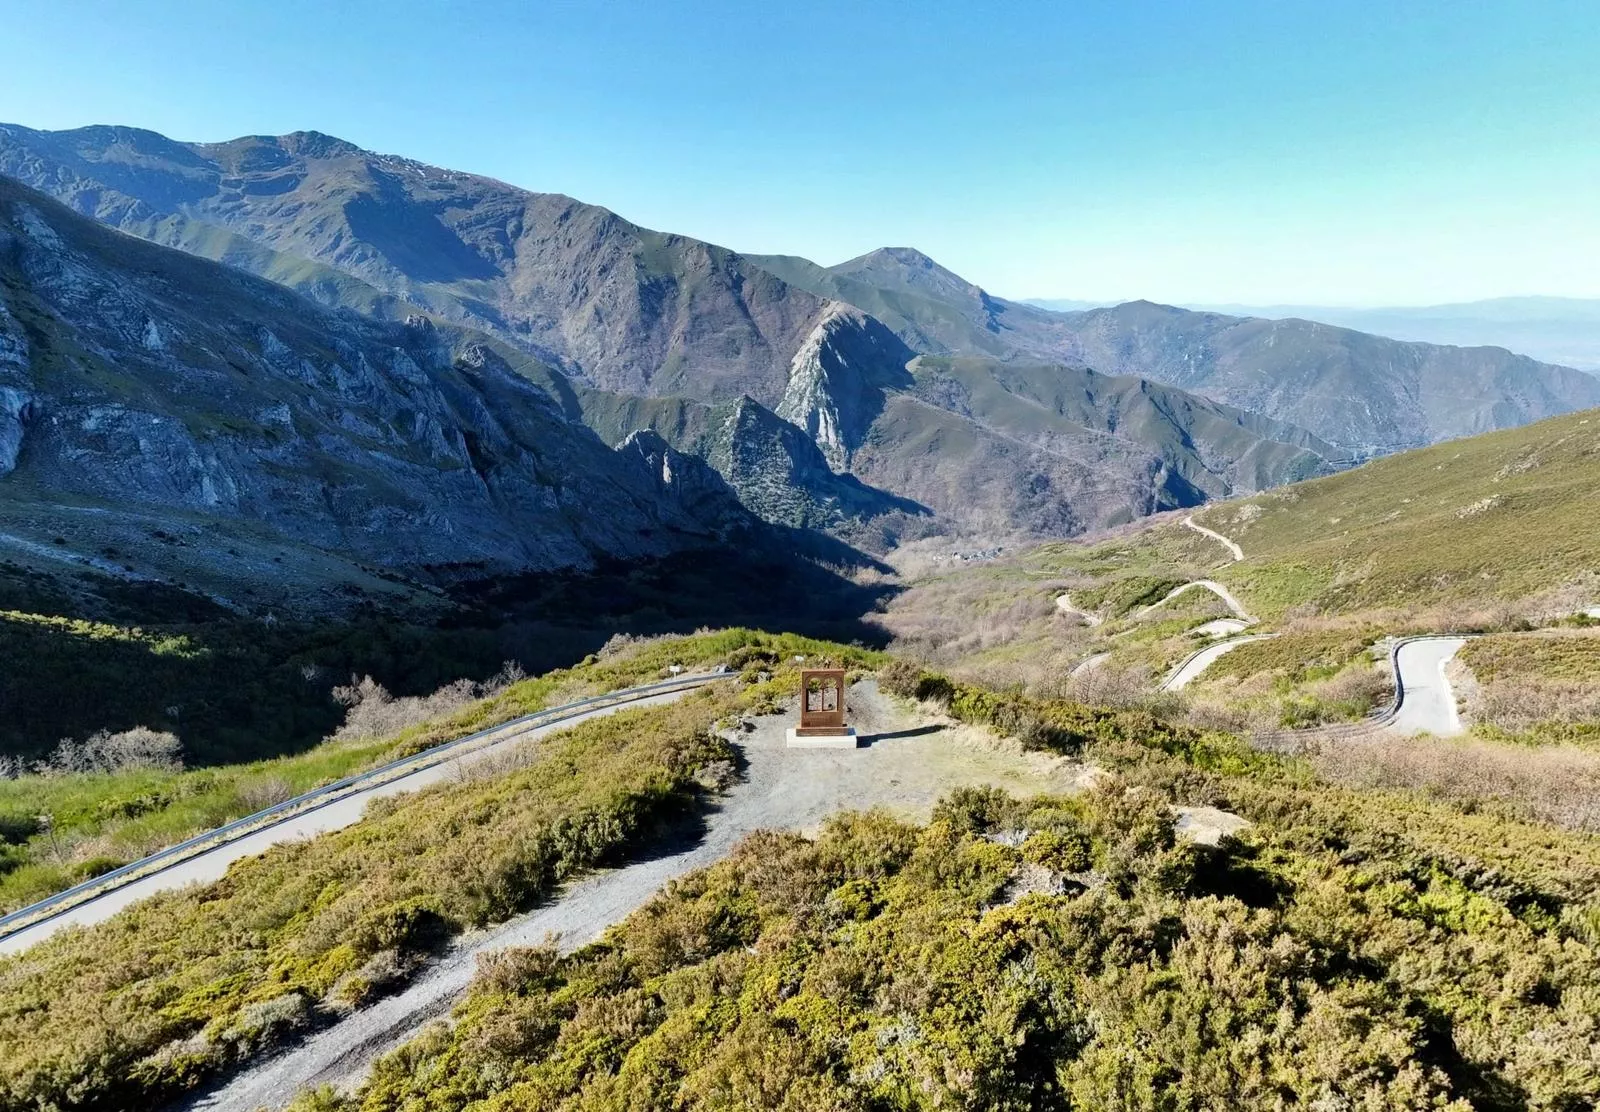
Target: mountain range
[
  {"x": 1563, "y": 330},
  {"x": 442, "y": 370}
]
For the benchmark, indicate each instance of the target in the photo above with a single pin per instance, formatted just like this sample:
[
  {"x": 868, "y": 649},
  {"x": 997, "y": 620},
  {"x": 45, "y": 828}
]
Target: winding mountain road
[
  {"x": 1427, "y": 702},
  {"x": 1188, "y": 671},
  {"x": 1204, "y": 584},
  {"x": 1238, "y": 553},
  {"x": 1064, "y": 604},
  {"x": 338, "y": 811}
]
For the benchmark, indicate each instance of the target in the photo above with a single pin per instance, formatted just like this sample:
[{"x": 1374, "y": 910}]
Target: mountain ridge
[{"x": 634, "y": 313}]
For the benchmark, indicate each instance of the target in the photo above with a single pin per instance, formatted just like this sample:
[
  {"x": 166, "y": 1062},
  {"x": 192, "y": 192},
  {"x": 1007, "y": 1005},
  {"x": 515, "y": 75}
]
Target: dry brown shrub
[
  {"x": 1557, "y": 784},
  {"x": 1370, "y": 685},
  {"x": 267, "y": 791}
]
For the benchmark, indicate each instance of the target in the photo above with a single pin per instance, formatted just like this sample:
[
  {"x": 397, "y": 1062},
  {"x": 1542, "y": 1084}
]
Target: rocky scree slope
[{"x": 140, "y": 385}]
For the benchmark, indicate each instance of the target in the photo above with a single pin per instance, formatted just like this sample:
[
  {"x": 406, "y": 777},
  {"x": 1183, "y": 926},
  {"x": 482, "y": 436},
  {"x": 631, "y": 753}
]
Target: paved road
[
  {"x": 782, "y": 788},
  {"x": 1064, "y": 604},
  {"x": 1238, "y": 553},
  {"x": 1206, "y": 584},
  {"x": 1090, "y": 664},
  {"x": 1200, "y": 661},
  {"x": 212, "y": 864},
  {"x": 1221, "y": 627},
  {"x": 1429, "y": 704}
]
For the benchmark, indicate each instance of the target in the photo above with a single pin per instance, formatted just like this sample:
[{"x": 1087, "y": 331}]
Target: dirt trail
[
  {"x": 909, "y": 761},
  {"x": 1238, "y": 553},
  {"x": 1207, "y": 584}
]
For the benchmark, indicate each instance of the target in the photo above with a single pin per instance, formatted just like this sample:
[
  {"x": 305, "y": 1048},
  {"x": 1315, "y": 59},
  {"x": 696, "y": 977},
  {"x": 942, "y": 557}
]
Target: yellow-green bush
[
  {"x": 1345, "y": 952},
  {"x": 93, "y": 1018}
]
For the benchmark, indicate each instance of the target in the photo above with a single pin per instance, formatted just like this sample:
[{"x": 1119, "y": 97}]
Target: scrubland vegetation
[
  {"x": 1349, "y": 949},
  {"x": 186, "y": 983},
  {"x": 1537, "y": 688},
  {"x": 1406, "y": 923},
  {"x": 1310, "y": 674},
  {"x": 1459, "y": 526}
]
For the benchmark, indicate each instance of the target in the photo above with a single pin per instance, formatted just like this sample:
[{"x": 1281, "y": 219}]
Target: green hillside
[{"x": 1504, "y": 517}]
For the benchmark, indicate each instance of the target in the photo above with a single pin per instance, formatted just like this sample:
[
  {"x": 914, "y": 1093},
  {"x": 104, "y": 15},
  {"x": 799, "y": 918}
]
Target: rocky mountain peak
[
  {"x": 910, "y": 269},
  {"x": 837, "y": 379}
]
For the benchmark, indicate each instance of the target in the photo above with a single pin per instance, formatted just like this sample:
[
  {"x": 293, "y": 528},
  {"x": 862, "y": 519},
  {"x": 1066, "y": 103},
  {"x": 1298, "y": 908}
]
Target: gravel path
[
  {"x": 1238, "y": 553},
  {"x": 909, "y": 761}
]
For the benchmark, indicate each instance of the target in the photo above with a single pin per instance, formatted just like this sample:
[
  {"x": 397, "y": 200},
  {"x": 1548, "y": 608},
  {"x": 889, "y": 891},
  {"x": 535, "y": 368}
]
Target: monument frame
[{"x": 822, "y": 711}]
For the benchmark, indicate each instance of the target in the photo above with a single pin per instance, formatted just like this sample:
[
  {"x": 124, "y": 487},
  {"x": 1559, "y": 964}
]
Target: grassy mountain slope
[
  {"x": 994, "y": 444},
  {"x": 1562, "y": 330},
  {"x": 1365, "y": 393},
  {"x": 1485, "y": 533},
  {"x": 1505, "y": 515},
  {"x": 931, "y": 308}
]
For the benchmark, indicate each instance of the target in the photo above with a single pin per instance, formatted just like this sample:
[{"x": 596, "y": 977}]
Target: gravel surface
[{"x": 910, "y": 758}]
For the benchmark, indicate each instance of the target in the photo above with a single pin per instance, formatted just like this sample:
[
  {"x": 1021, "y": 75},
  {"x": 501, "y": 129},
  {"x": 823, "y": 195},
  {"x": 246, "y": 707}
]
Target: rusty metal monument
[{"x": 822, "y": 724}]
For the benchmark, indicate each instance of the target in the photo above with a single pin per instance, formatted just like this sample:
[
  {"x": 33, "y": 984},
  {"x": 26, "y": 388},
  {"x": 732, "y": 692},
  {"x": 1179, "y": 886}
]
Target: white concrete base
[{"x": 847, "y": 740}]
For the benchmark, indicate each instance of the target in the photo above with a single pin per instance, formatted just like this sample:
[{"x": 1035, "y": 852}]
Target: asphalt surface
[
  {"x": 212, "y": 864},
  {"x": 1205, "y": 584},
  {"x": 1429, "y": 704},
  {"x": 1200, "y": 661},
  {"x": 1064, "y": 604}
]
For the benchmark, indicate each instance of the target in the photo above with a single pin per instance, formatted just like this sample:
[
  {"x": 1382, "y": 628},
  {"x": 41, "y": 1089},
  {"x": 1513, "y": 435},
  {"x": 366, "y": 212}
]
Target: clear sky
[{"x": 1259, "y": 151}]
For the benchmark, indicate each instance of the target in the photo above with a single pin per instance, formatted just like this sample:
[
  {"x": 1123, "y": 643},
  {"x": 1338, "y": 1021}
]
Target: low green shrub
[{"x": 88, "y": 1018}]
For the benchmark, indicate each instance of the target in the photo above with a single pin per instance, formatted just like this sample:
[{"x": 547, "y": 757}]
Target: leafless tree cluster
[
  {"x": 372, "y": 712},
  {"x": 105, "y": 751}
]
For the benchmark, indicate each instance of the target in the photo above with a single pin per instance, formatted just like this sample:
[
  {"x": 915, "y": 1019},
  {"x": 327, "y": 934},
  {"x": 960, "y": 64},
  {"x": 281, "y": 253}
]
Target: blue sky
[{"x": 1227, "y": 151}]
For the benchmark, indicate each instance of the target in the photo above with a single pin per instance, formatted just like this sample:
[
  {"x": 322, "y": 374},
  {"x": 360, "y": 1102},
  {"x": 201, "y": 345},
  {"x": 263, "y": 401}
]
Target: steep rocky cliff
[
  {"x": 623, "y": 307},
  {"x": 143, "y": 390}
]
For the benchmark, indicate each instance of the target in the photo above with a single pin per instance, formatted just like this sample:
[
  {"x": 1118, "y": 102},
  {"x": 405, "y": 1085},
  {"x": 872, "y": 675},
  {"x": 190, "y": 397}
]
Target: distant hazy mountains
[
  {"x": 1561, "y": 330},
  {"x": 871, "y": 400}
]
